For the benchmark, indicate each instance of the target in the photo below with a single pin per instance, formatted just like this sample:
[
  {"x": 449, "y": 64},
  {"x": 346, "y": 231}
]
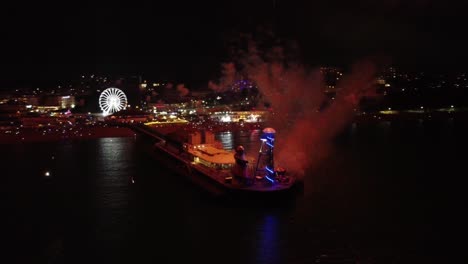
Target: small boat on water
[{"x": 222, "y": 171}]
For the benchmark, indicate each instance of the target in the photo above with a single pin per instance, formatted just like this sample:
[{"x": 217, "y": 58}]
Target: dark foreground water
[{"x": 390, "y": 193}]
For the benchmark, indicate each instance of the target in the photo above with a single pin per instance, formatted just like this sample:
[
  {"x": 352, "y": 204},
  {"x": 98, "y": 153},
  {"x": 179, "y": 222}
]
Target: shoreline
[
  {"x": 56, "y": 135},
  {"x": 17, "y": 135}
]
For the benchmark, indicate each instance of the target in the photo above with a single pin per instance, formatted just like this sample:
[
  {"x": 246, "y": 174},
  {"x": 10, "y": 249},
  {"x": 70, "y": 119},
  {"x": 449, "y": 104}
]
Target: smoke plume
[
  {"x": 305, "y": 131},
  {"x": 182, "y": 90},
  {"x": 229, "y": 73}
]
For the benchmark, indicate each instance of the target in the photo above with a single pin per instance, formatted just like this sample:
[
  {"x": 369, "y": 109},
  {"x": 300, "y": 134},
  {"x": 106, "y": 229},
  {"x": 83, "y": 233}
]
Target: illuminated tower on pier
[{"x": 265, "y": 163}]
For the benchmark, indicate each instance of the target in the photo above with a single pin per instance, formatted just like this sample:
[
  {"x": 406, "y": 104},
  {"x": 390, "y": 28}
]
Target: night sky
[{"x": 46, "y": 43}]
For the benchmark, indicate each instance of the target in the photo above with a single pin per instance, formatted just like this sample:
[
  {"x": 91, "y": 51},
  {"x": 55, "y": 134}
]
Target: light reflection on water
[
  {"x": 226, "y": 139},
  {"x": 268, "y": 247},
  {"x": 113, "y": 167},
  {"x": 114, "y": 160},
  {"x": 249, "y": 139}
]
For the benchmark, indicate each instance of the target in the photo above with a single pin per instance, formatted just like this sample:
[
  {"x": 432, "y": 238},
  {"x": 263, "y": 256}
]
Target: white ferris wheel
[{"x": 112, "y": 100}]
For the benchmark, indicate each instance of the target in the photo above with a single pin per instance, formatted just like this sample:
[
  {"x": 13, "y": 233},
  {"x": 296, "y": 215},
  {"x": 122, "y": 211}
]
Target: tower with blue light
[{"x": 265, "y": 162}]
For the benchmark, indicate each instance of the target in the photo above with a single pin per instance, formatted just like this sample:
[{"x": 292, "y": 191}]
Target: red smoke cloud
[
  {"x": 296, "y": 93},
  {"x": 229, "y": 75},
  {"x": 183, "y": 91}
]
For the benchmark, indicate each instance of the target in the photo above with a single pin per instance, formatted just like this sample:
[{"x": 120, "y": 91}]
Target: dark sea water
[{"x": 389, "y": 193}]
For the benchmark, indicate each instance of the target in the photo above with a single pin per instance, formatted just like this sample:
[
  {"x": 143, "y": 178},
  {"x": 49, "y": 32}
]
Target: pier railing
[{"x": 147, "y": 131}]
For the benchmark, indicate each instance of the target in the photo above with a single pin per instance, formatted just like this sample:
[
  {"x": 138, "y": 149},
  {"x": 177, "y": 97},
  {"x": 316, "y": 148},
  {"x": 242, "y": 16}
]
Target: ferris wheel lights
[{"x": 112, "y": 100}]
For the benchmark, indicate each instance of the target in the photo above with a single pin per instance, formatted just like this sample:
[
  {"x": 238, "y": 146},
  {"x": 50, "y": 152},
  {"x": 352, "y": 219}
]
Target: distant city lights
[{"x": 226, "y": 118}]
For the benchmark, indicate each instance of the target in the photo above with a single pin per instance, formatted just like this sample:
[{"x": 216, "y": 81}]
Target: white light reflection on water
[
  {"x": 249, "y": 139},
  {"x": 112, "y": 177},
  {"x": 226, "y": 139}
]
